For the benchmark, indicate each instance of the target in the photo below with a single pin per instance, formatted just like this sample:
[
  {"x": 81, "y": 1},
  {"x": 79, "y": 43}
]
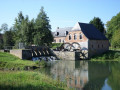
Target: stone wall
[
  {"x": 2, "y": 50},
  {"x": 22, "y": 54},
  {"x": 67, "y": 55},
  {"x": 96, "y": 47}
]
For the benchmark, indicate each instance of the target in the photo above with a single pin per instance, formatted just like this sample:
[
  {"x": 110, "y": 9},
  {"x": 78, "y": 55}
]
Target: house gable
[{"x": 76, "y": 36}]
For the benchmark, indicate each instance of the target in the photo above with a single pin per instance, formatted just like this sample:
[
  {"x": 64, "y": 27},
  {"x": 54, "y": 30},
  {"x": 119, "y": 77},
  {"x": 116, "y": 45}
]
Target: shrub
[
  {"x": 55, "y": 45},
  {"x": 117, "y": 55},
  {"x": 41, "y": 63}
]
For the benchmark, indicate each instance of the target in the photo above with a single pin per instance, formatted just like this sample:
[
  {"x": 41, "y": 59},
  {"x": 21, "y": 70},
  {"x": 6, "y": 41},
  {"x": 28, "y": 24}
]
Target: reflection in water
[
  {"x": 69, "y": 71},
  {"x": 106, "y": 86},
  {"x": 114, "y": 78},
  {"x": 86, "y": 75}
]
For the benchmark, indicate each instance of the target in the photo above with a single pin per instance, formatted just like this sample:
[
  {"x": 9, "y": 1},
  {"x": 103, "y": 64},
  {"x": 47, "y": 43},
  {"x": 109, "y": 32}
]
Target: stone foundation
[
  {"x": 67, "y": 55},
  {"x": 22, "y": 54}
]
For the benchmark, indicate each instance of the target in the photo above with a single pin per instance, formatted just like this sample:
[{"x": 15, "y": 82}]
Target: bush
[
  {"x": 55, "y": 45},
  {"x": 41, "y": 63},
  {"x": 117, "y": 55},
  {"x": 110, "y": 55}
]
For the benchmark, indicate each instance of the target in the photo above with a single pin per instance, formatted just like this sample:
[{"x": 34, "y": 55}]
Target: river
[{"x": 85, "y": 75}]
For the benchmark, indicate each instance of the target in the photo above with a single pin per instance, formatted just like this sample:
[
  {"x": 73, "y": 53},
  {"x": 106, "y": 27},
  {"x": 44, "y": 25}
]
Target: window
[
  {"x": 70, "y": 37},
  {"x": 102, "y": 45},
  {"x": 81, "y": 82},
  {"x": 92, "y": 46},
  {"x": 59, "y": 40},
  {"x": 98, "y": 46},
  {"x": 57, "y": 33},
  {"x": 66, "y": 32},
  {"x": 75, "y": 81},
  {"x": 80, "y": 36},
  {"x": 54, "y": 40},
  {"x": 75, "y": 36}
]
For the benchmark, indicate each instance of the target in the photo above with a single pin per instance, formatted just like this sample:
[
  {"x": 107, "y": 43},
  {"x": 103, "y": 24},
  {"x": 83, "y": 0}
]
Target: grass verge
[
  {"x": 8, "y": 61},
  {"x": 28, "y": 80}
]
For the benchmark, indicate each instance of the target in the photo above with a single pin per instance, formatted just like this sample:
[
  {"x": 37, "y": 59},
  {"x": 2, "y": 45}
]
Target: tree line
[
  {"x": 30, "y": 32},
  {"x": 38, "y": 31}
]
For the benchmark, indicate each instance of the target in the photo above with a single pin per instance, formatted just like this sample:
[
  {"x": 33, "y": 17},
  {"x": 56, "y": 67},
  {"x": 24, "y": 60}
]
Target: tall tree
[
  {"x": 113, "y": 25},
  {"x": 24, "y": 29},
  {"x": 4, "y": 27},
  {"x": 43, "y": 29},
  {"x": 98, "y": 24},
  {"x": 17, "y": 28},
  {"x": 116, "y": 39},
  {"x": 1, "y": 41},
  {"x": 0, "y": 30},
  {"x": 8, "y": 38}
]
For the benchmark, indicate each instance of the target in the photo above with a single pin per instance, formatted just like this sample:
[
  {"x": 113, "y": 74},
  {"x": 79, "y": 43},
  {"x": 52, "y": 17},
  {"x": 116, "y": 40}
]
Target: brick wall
[
  {"x": 77, "y": 33},
  {"x": 59, "y": 39}
]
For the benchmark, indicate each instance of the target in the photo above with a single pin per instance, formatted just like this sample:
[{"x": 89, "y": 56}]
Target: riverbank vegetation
[
  {"x": 13, "y": 75},
  {"x": 8, "y": 61},
  {"x": 55, "y": 45},
  {"x": 28, "y": 80},
  {"x": 109, "y": 55}
]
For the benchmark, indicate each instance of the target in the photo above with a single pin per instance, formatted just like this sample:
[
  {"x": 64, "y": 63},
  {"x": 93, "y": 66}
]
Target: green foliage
[
  {"x": 112, "y": 26},
  {"x": 33, "y": 32},
  {"x": 28, "y": 80},
  {"x": 42, "y": 27},
  {"x": 8, "y": 61},
  {"x": 4, "y": 27},
  {"x": 110, "y": 55},
  {"x": 41, "y": 63},
  {"x": 98, "y": 24},
  {"x": 116, "y": 39},
  {"x": 55, "y": 45},
  {"x": 114, "y": 78},
  {"x": 24, "y": 29},
  {"x": 1, "y": 41},
  {"x": 8, "y": 38}
]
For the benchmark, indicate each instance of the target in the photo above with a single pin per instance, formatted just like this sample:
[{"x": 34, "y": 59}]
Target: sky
[{"x": 62, "y": 13}]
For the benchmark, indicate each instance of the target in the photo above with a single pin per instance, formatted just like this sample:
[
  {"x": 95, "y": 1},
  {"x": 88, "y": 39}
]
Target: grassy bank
[
  {"x": 28, "y": 80},
  {"x": 8, "y": 61},
  {"x": 109, "y": 55},
  {"x": 18, "y": 79}
]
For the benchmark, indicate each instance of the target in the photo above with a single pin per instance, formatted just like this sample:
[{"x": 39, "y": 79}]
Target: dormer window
[
  {"x": 70, "y": 37},
  {"x": 57, "y": 33},
  {"x": 66, "y": 33},
  {"x": 80, "y": 36}
]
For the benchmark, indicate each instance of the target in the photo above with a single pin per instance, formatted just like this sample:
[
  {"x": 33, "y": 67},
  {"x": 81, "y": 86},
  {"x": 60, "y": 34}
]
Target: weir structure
[{"x": 66, "y": 51}]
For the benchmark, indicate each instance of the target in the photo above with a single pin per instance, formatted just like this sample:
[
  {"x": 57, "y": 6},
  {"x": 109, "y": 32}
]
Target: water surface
[{"x": 86, "y": 75}]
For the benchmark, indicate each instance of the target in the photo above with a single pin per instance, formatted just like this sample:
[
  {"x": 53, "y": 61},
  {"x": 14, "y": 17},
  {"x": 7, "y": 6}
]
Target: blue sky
[{"x": 62, "y": 13}]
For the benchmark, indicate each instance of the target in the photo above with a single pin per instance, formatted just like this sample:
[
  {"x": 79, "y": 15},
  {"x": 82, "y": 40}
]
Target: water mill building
[{"x": 91, "y": 40}]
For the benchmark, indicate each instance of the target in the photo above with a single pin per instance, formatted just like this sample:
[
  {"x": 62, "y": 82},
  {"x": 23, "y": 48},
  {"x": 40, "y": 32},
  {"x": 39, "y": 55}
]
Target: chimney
[{"x": 57, "y": 27}]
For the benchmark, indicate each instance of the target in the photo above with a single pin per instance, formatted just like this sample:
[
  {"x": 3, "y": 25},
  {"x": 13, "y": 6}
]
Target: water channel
[{"x": 86, "y": 75}]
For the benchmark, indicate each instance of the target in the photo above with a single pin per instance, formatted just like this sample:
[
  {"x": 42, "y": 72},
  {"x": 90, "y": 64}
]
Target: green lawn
[
  {"x": 18, "y": 79},
  {"x": 9, "y": 61},
  {"x": 28, "y": 80}
]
